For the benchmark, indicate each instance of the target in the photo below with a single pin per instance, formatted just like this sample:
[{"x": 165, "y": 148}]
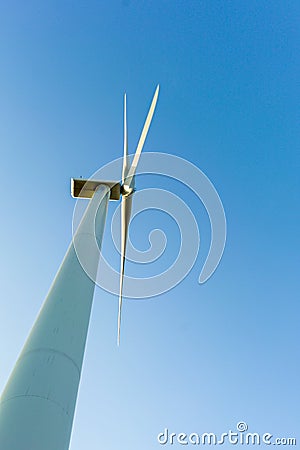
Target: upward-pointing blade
[
  {"x": 125, "y": 167},
  {"x": 133, "y": 167}
]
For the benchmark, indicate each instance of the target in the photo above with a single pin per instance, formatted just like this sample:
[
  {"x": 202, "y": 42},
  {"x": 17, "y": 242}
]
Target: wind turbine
[{"x": 38, "y": 403}]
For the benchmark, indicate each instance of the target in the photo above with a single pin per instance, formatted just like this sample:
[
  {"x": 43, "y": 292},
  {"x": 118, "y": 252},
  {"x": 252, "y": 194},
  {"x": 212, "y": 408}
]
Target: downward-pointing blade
[
  {"x": 143, "y": 136},
  {"x": 125, "y": 219}
]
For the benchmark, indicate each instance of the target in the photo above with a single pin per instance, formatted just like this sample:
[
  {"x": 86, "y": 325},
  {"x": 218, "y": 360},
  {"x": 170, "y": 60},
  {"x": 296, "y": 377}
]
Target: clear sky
[{"x": 199, "y": 358}]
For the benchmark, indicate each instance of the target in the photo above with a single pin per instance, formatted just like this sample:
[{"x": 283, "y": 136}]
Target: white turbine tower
[{"x": 38, "y": 403}]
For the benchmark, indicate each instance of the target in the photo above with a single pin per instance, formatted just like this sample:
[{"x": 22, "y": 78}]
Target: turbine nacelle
[
  {"x": 86, "y": 188},
  {"x": 81, "y": 188}
]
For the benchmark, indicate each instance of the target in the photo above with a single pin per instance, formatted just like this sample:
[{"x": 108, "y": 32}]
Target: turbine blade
[
  {"x": 126, "y": 205},
  {"x": 143, "y": 136},
  {"x": 125, "y": 167}
]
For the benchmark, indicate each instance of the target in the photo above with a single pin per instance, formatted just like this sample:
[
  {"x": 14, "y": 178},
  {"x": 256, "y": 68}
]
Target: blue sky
[{"x": 198, "y": 358}]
